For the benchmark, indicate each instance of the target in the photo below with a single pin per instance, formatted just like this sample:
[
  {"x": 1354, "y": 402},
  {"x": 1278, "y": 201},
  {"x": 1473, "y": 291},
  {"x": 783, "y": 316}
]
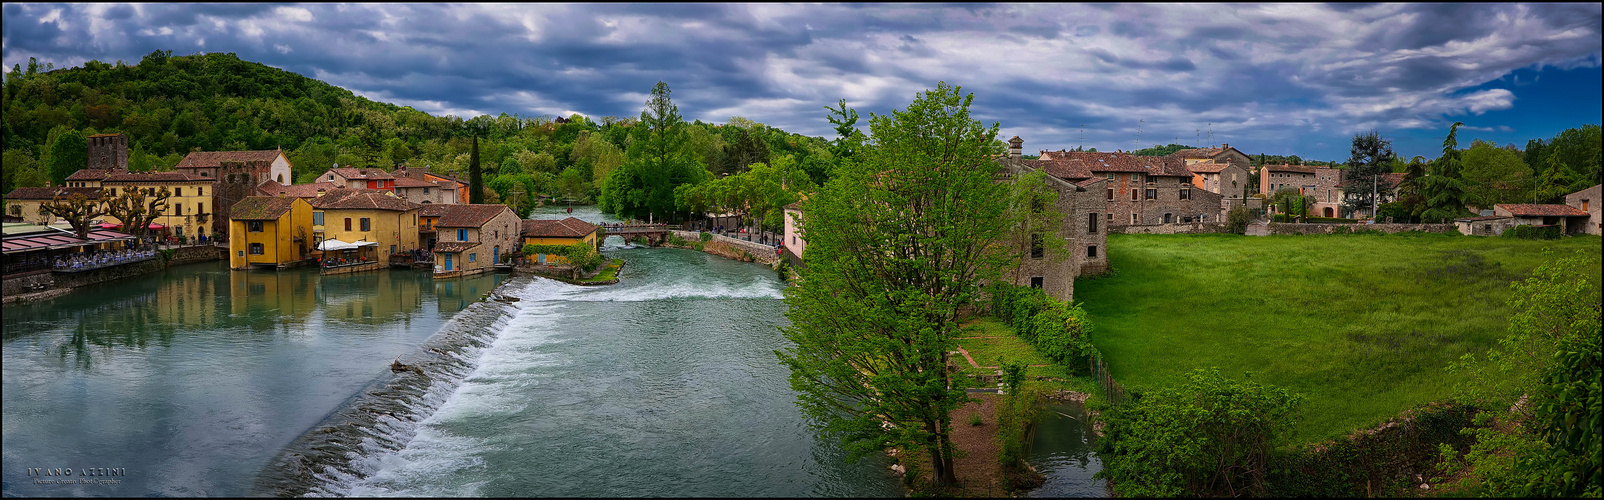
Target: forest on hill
[{"x": 171, "y": 105}]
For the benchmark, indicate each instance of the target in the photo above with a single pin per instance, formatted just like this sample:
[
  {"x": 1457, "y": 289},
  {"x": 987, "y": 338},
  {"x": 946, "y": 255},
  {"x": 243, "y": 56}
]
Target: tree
[
  {"x": 1495, "y": 175},
  {"x": 76, "y": 208},
  {"x": 848, "y": 137},
  {"x": 1210, "y": 437},
  {"x": 1444, "y": 190},
  {"x": 137, "y": 209},
  {"x": 1369, "y": 158},
  {"x": 656, "y": 162},
  {"x": 898, "y": 243},
  {"x": 69, "y": 153},
  {"x": 747, "y": 150}
]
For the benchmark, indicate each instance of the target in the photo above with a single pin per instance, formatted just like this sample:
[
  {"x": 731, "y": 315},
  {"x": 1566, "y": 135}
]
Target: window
[
  {"x": 1152, "y": 194},
  {"x": 254, "y": 226},
  {"x": 200, "y": 208},
  {"x": 200, "y": 191},
  {"x": 178, "y": 191},
  {"x": 331, "y": 177},
  {"x": 347, "y": 223},
  {"x": 240, "y": 253},
  {"x": 1110, "y": 194},
  {"x": 1133, "y": 195},
  {"x": 392, "y": 249},
  {"x": 1035, "y": 246},
  {"x": 1136, "y": 177},
  {"x": 473, "y": 257},
  {"x": 462, "y": 235},
  {"x": 1133, "y": 218},
  {"x": 1168, "y": 218},
  {"x": 178, "y": 209},
  {"x": 425, "y": 190},
  {"x": 1091, "y": 251},
  {"x": 257, "y": 249},
  {"x": 367, "y": 225},
  {"x": 1186, "y": 193},
  {"x": 1110, "y": 218},
  {"x": 1091, "y": 223},
  {"x": 317, "y": 218},
  {"x": 1110, "y": 176},
  {"x": 1035, "y": 281}
]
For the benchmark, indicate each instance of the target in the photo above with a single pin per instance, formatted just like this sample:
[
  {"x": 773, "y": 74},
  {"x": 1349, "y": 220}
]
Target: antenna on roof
[
  {"x": 1211, "y": 134},
  {"x": 1082, "y": 138},
  {"x": 1138, "y": 144}
]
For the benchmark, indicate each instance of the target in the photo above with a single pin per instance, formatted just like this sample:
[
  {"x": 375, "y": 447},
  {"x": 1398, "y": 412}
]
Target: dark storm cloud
[{"x": 1274, "y": 72}]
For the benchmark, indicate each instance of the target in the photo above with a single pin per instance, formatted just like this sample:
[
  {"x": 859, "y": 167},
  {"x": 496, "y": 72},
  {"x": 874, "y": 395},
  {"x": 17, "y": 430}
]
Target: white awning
[{"x": 333, "y": 245}]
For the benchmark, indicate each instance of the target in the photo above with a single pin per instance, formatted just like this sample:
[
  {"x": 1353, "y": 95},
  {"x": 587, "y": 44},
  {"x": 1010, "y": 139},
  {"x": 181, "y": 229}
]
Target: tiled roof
[
  {"x": 144, "y": 177},
  {"x": 89, "y": 174},
  {"x": 1060, "y": 168},
  {"x": 565, "y": 228},
  {"x": 273, "y": 188},
  {"x": 1088, "y": 182},
  {"x": 1529, "y": 210},
  {"x": 1207, "y": 167},
  {"x": 469, "y": 215},
  {"x": 408, "y": 182},
  {"x": 261, "y": 208},
  {"x": 1197, "y": 153},
  {"x": 1301, "y": 169},
  {"x": 1095, "y": 163},
  {"x": 433, "y": 209},
  {"x": 454, "y": 246},
  {"x": 362, "y": 173},
  {"x": 1482, "y": 218},
  {"x": 46, "y": 193},
  {"x": 366, "y": 199},
  {"x": 1393, "y": 179},
  {"x": 211, "y": 159}
]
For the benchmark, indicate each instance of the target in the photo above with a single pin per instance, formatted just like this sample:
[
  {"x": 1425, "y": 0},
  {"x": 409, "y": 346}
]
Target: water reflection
[{"x": 1064, "y": 451}]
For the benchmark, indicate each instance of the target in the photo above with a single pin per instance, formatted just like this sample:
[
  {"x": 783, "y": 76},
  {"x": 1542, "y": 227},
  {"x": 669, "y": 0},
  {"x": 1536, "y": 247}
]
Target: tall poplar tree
[
  {"x": 898, "y": 242},
  {"x": 656, "y": 162}
]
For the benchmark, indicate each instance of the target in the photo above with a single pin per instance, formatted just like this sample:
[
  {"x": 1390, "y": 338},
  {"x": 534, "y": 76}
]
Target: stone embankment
[
  {"x": 730, "y": 248},
  {"x": 42, "y": 285},
  {"x": 1178, "y": 228}
]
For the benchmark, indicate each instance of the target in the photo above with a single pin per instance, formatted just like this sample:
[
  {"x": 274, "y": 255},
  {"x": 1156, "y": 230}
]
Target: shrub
[
  {"x": 1529, "y": 232},
  {"x": 706, "y": 236},
  {"x": 1210, "y": 437},
  {"x": 1058, "y": 330},
  {"x": 1236, "y": 222}
]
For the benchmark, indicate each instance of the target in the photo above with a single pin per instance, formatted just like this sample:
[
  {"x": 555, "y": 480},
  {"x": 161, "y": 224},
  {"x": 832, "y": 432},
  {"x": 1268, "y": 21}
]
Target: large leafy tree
[
  {"x": 656, "y": 162},
  {"x": 898, "y": 243},
  {"x": 1369, "y": 158},
  {"x": 1496, "y": 175},
  {"x": 137, "y": 209},
  {"x": 69, "y": 152},
  {"x": 1444, "y": 190},
  {"x": 76, "y": 208}
]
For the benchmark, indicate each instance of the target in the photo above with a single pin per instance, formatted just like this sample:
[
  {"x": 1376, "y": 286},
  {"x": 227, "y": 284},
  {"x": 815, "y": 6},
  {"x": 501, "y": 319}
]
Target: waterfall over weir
[{"x": 383, "y": 417}]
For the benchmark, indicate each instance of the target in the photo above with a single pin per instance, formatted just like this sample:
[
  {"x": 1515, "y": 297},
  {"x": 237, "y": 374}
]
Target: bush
[
  {"x": 1530, "y": 232},
  {"x": 1210, "y": 437},
  {"x": 1058, "y": 330},
  {"x": 1236, "y": 222},
  {"x": 706, "y": 236}
]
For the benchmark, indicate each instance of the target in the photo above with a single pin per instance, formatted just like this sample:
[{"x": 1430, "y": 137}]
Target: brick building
[
  {"x": 1587, "y": 201},
  {"x": 108, "y": 152},
  {"x": 1083, "y": 229}
]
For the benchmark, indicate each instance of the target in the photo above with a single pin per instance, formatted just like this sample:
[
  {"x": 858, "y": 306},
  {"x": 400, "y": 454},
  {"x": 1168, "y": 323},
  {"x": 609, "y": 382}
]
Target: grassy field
[
  {"x": 992, "y": 338},
  {"x": 1362, "y": 325}
]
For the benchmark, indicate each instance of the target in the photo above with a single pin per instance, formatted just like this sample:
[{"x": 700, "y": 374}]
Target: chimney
[
  {"x": 1016, "y": 147},
  {"x": 1225, "y": 145}
]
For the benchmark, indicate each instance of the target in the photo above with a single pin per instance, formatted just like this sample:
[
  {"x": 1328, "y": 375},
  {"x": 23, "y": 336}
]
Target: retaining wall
[
  {"x": 39, "y": 286},
  {"x": 1180, "y": 228},
  {"x": 730, "y": 247},
  {"x": 1313, "y": 228}
]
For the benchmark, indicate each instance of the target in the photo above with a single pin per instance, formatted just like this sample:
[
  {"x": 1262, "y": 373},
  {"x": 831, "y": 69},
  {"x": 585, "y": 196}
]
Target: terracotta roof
[
  {"x": 433, "y": 209},
  {"x": 144, "y": 177},
  {"x": 273, "y": 188},
  {"x": 89, "y": 174},
  {"x": 1302, "y": 169},
  {"x": 468, "y": 215},
  {"x": 454, "y": 246},
  {"x": 1088, "y": 182},
  {"x": 211, "y": 159},
  {"x": 565, "y": 228},
  {"x": 362, "y": 173},
  {"x": 261, "y": 208},
  {"x": 1060, "y": 169},
  {"x": 1197, "y": 153},
  {"x": 1393, "y": 179},
  {"x": 47, "y": 193},
  {"x": 365, "y": 199},
  {"x": 1529, "y": 210},
  {"x": 1207, "y": 167},
  {"x": 408, "y": 182},
  {"x": 1482, "y": 218},
  {"x": 1095, "y": 163}
]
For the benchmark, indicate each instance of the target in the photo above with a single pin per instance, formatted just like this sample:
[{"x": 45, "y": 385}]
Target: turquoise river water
[{"x": 202, "y": 381}]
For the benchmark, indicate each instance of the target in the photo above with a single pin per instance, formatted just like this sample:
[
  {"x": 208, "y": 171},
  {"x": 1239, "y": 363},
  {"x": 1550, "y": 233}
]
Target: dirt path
[{"x": 977, "y": 469}]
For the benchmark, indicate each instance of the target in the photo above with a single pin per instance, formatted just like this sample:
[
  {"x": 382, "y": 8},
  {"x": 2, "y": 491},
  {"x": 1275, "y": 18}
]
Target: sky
[{"x": 1265, "y": 78}]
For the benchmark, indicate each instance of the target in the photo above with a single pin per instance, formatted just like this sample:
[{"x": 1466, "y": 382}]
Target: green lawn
[
  {"x": 992, "y": 338},
  {"x": 1361, "y": 325}
]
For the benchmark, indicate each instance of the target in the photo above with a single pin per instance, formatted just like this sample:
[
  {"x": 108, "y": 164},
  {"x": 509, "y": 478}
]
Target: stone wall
[
  {"x": 1313, "y": 228},
  {"x": 1186, "y": 228},
  {"x": 730, "y": 248}
]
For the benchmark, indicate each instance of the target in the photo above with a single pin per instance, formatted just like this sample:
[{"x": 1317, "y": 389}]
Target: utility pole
[
  {"x": 1373, "y": 180},
  {"x": 1138, "y": 144}
]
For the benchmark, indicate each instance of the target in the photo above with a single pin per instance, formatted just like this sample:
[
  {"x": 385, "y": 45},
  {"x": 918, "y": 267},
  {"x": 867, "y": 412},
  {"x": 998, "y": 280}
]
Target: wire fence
[{"x": 1112, "y": 390}]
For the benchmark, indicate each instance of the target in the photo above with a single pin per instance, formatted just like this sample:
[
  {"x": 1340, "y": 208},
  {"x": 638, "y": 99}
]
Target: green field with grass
[
  {"x": 986, "y": 339},
  {"x": 1363, "y": 325}
]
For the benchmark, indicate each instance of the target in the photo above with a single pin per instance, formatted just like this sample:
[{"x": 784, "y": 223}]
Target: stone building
[
  {"x": 1083, "y": 229},
  {"x": 1568, "y": 218},
  {"x": 267, "y": 165},
  {"x": 1223, "y": 154},
  {"x": 1587, "y": 201},
  {"x": 359, "y": 178},
  {"x": 108, "y": 152},
  {"x": 480, "y": 235},
  {"x": 1139, "y": 190}
]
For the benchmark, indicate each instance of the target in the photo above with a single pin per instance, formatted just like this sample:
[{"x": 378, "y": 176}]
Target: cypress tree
[{"x": 476, "y": 187}]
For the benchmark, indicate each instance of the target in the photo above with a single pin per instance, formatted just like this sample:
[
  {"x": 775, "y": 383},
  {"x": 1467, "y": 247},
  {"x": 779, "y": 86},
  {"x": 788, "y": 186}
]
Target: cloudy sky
[{"x": 1266, "y": 78}]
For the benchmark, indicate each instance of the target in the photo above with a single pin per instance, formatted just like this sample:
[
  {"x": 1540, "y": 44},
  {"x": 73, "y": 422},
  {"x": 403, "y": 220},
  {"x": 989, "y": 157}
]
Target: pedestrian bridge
[{"x": 654, "y": 233}]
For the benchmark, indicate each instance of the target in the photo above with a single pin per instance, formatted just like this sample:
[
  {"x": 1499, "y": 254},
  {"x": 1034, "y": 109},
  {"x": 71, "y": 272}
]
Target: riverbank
[
  {"x": 46, "y": 284},
  {"x": 605, "y": 275},
  {"x": 724, "y": 246}
]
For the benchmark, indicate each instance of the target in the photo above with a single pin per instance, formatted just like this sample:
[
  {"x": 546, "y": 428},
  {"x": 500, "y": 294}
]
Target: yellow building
[
  {"x": 189, "y": 209},
  {"x": 357, "y": 216},
  {"x": 24, "y": 202},
  {"x": 556, "y": 232},
  {"x": 269, "y": 232}
]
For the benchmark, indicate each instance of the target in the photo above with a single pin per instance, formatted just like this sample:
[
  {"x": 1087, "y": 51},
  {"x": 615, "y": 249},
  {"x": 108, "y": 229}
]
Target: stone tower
[
  {"x": 236, "y": 180},
  {"x": 108, "y": 152}
]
